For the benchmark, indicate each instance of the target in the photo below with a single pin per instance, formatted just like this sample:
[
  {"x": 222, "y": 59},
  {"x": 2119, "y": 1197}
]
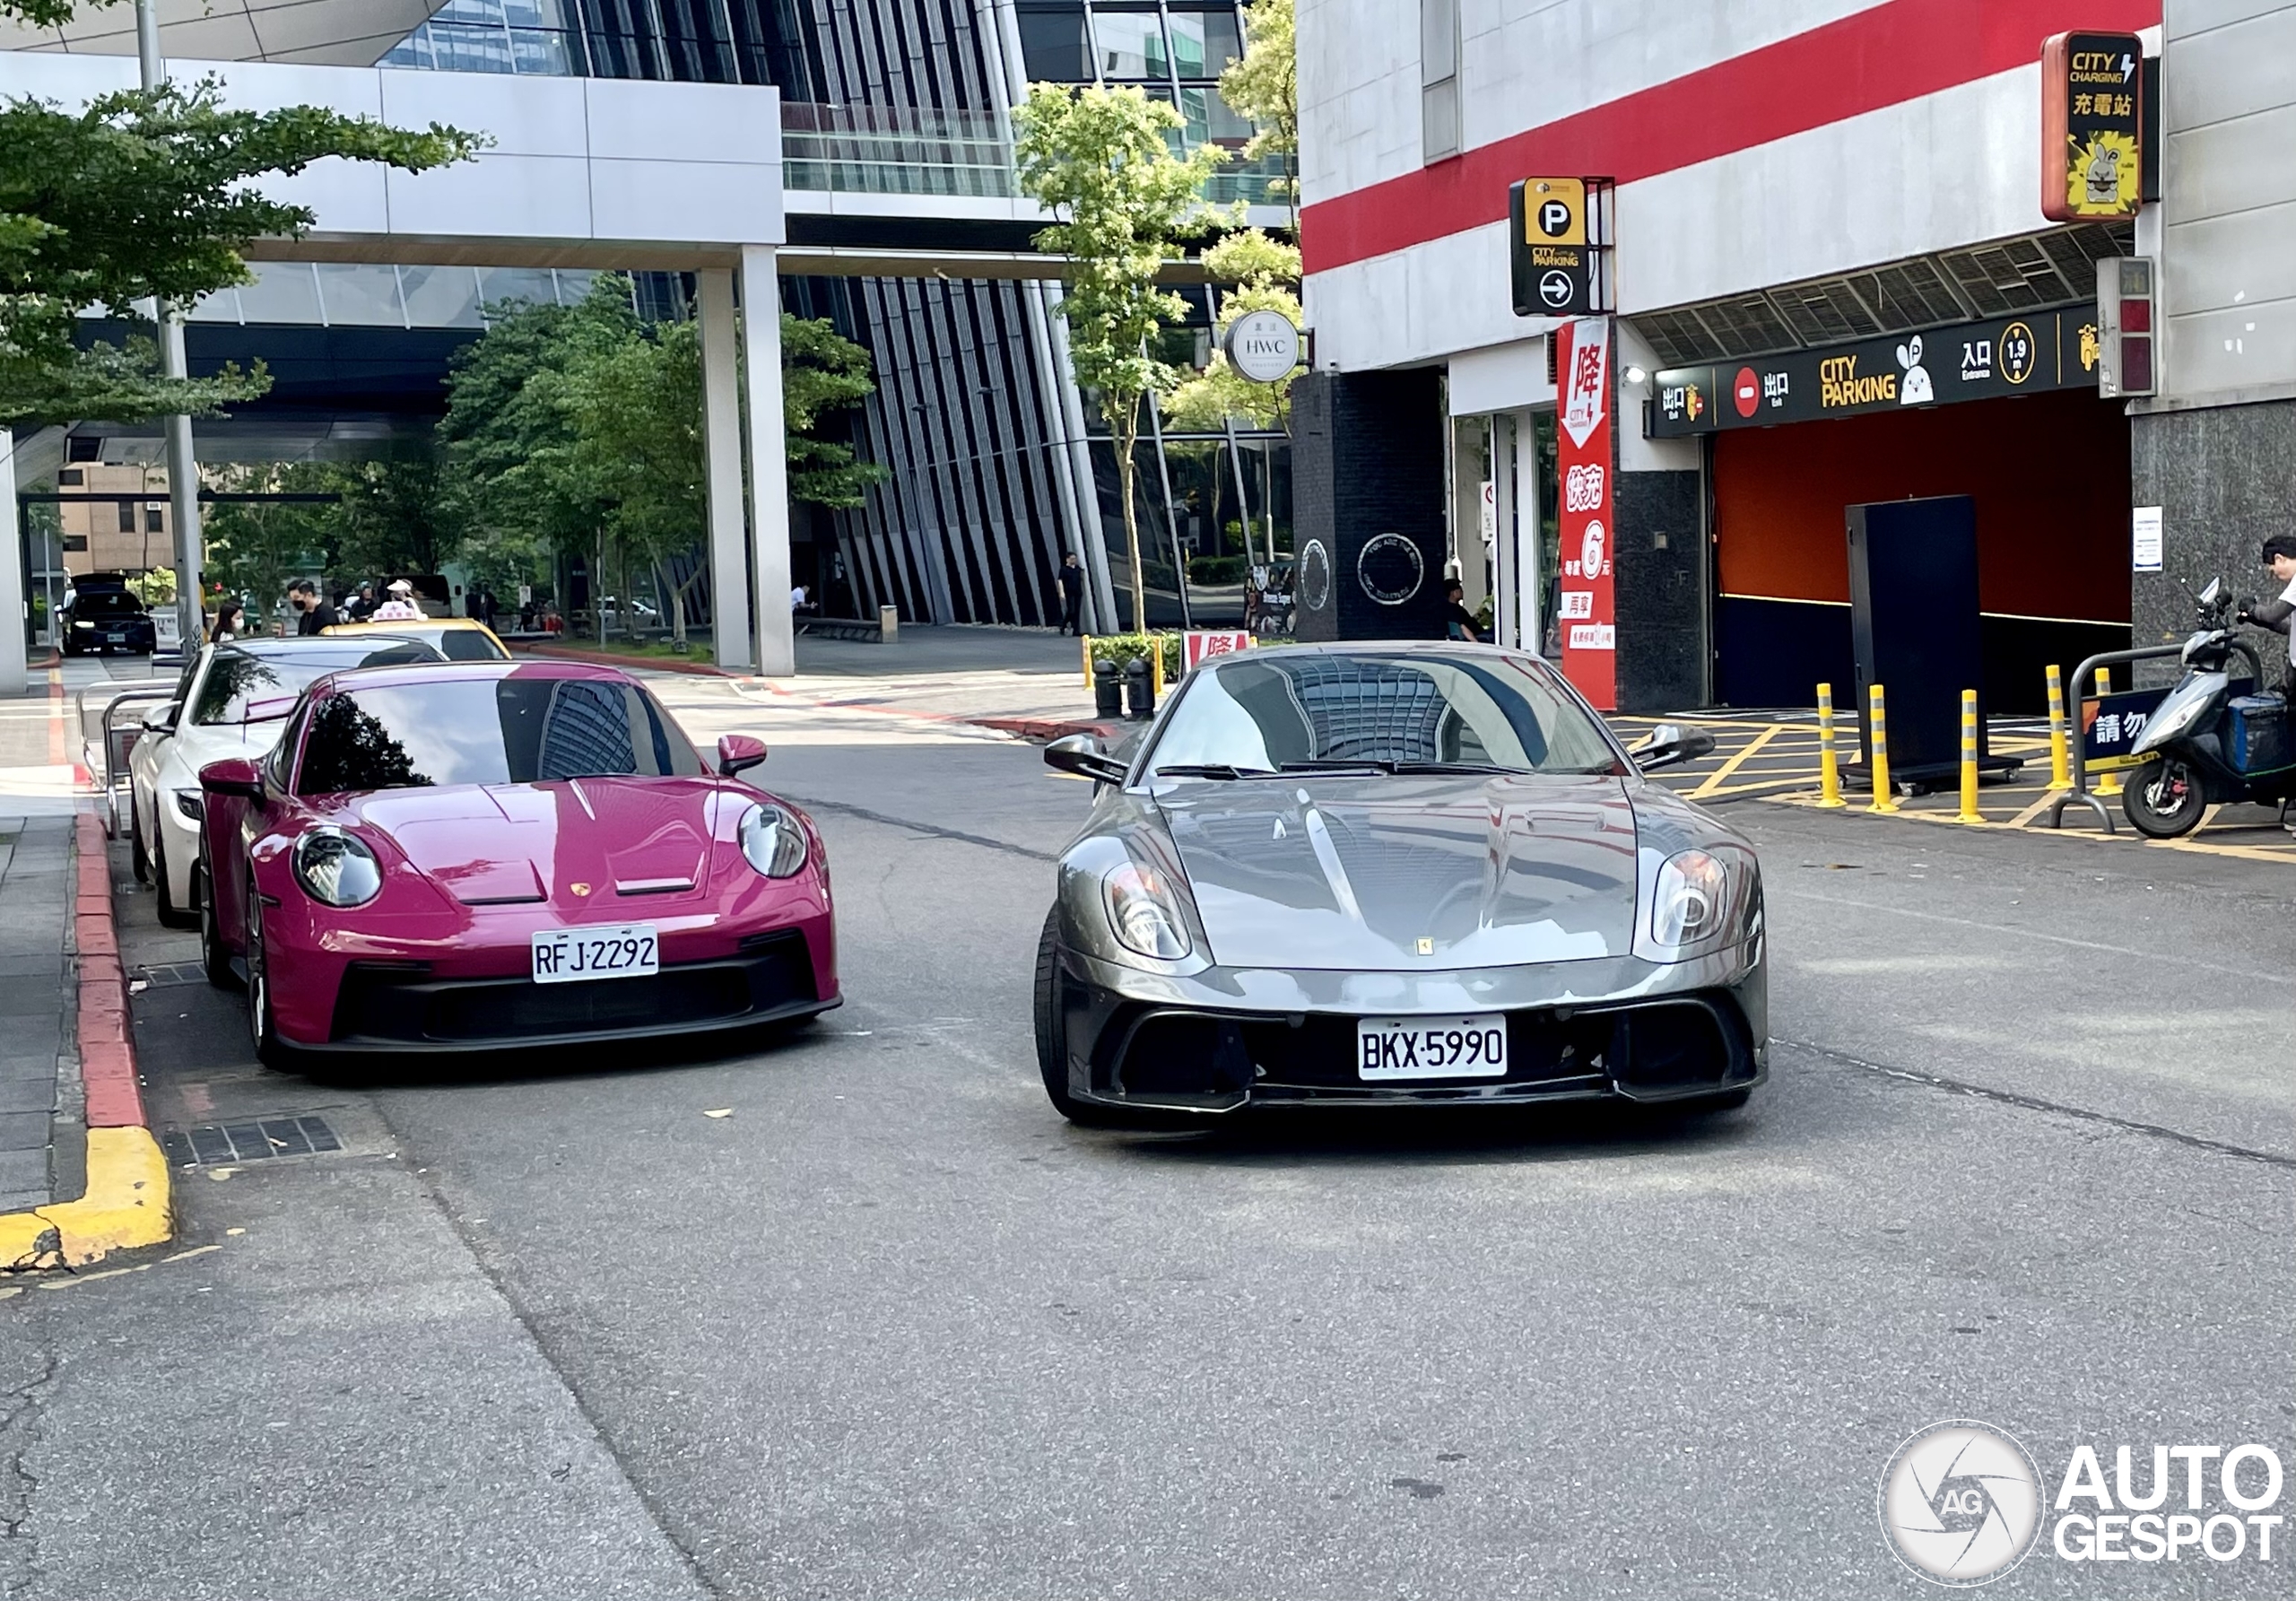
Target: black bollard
[
  {"x": 1108, "y": 690},
  {"x": 1139, "y": 691}
]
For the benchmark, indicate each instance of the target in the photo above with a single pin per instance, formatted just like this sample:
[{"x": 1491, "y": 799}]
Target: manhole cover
[
  {"x": 165, "y": 975},
  {"x": 250, "y": 1140}
]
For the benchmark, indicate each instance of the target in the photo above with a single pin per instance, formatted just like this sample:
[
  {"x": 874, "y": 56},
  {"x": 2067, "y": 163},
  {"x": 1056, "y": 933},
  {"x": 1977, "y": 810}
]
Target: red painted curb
[
  {"x": 107, "y": 1077},
  {"x": 667, "y": 664},
  {"x": 1044, "y": 730}
]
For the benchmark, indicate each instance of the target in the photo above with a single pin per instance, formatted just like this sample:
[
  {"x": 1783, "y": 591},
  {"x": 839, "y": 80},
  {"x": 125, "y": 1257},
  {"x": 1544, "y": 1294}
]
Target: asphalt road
[{"x": 890, "y": 1328}]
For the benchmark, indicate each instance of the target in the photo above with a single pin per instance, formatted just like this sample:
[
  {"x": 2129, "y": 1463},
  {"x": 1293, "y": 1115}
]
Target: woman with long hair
[{"x": 230, "y": 622}]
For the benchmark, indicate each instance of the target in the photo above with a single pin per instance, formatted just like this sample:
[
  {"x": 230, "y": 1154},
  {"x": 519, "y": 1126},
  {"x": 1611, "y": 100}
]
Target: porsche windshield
[
  {"x": 1403, "y": 712},
  {"x": 488, "y": 731}
]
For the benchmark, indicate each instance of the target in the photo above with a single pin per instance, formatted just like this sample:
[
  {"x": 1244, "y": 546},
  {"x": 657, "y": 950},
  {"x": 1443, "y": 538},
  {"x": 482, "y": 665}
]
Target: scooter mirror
[{"x": 2208, "y": 595}]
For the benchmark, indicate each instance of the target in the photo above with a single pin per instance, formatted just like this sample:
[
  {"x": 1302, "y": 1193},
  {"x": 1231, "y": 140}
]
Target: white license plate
[
  {"x": 570, "y": 956},
  {"x": 1399, "y": 1048},
  {"x": 115, "y": 638}
]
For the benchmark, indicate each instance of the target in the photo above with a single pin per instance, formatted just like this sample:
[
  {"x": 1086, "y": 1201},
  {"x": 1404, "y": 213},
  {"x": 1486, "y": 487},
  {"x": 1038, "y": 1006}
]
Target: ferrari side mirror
[
  {"x": 1669, "y": 744},
  {"x": 1083, "y": 754},
  {"x": 738, "y": 752}
]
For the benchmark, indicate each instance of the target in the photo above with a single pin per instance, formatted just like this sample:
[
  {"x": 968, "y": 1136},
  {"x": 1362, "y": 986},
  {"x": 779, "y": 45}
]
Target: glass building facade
[{"x": 909, "y": 96}]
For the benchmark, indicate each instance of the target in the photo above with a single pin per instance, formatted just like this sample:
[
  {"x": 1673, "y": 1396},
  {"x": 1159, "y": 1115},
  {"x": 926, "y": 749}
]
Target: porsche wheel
[
  {"x": 213, "y": 955},
  {"x": 2164, "y": 800},
  {"x": 263, "y": 1028}
]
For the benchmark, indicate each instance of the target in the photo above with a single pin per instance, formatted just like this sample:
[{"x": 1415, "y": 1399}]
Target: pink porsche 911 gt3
[{"x": 485, "y": 855}]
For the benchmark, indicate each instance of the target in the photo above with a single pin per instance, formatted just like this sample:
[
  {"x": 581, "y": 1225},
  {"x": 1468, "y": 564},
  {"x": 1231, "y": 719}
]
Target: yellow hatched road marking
[{"x": 1735, "y": 762}]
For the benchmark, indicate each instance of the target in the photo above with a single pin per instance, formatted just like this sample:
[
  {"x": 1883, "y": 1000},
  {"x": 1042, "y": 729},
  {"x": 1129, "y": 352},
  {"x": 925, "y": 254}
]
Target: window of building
[
  {"x": 1129, "y": 46},
  {"x": 1055, "y": 46},
  {"x": 1439, "y": 77},
  {"x": 155, "y": 519},
  {"x": 1204, "y": 42},
  {"x": 71, "y": 478},
  {"x": 126, "y": 517},
  {"x": 74, "y": 541}
]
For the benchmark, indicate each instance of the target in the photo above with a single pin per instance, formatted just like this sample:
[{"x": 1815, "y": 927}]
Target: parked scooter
[{"x": 2210, "y": 745}]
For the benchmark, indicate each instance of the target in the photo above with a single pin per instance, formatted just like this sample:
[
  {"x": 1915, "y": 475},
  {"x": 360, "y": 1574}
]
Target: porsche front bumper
[{"x": 1214, "y": 1042}]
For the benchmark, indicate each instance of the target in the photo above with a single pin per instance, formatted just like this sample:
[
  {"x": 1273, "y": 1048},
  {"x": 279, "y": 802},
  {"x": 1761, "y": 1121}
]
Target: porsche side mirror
[
  {"x": 163, "y": 721},
  {"x": 272, "y": 710},
  {"x": 234, "y": 776},
  {"x": 1669, "y": 744},
  {"x": 1082, "y": 754},
  {"x": 738, "y": 752}
]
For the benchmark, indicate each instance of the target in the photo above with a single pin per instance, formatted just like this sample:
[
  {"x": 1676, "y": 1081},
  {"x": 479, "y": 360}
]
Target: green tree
[
  {"x": 1264, "y": 84},
  {"x": 635, "y": 409},
  {"x": 1265, "y": 276},
  {"x": 822, "y": 372},
  {"x": 254, "y": 547},
  {"x": 1099, "y": 160},
  {"x": 389, "y": 517},
  {"x": 143, "y": 193}
]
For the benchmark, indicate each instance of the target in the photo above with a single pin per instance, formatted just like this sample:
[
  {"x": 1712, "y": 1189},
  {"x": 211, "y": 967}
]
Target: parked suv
[{"x": 100, "y": 615}]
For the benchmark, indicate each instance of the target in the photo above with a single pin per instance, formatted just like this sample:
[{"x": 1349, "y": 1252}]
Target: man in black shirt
[
  {"x": 304, "y": 597},
  {"x": 1072, "y": 596},
  {"x": 1458, "y": 623}
]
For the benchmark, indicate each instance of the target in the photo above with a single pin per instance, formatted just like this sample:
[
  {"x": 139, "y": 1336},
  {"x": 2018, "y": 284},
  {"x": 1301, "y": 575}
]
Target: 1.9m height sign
[{"x": 1585, "y": 617}]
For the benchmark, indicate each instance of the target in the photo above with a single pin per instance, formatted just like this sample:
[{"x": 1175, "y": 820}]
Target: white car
[{"x": 232, "y": 700}]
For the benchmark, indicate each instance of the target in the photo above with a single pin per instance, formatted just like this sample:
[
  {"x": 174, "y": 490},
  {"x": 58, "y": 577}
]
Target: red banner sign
[
  {"x": 1202, "y": 642},
  {"x": 1586, "y": 621}
]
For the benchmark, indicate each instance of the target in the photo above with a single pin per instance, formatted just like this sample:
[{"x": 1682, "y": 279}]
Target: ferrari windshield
[
  {"x": 1388, "y": 710},
  {"x": 488, "y": 731},
  {"x": 239, "y": 677}
]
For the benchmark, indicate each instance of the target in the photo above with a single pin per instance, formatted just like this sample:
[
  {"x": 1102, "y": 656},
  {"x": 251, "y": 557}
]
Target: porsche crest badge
[{"x": 580, "y": 889}]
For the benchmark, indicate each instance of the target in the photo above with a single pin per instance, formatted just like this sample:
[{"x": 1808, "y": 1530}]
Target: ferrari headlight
[
  {"x": 188, "y": 802},
  {"x": 773, "y": 841},
  {"x": 1691, "y": 897},
  {"x": 336, "y": 869},
  {"x": 1145, "y": 916}
]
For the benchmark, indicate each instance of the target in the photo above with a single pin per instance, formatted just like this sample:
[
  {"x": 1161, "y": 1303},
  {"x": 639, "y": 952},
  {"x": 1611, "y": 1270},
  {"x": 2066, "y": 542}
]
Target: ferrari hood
[
  {"x": 1388, "y": 873},
  {"x": 576, "y": 842}
]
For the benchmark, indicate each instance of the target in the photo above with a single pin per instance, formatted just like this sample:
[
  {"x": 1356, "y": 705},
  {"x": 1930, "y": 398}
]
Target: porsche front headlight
[
  {"x": 1692, "y": 896},
  {"x": 1144, "y": 913},
  {"x": 336, "y": 869},
  {"x": 774, "y": 841}
]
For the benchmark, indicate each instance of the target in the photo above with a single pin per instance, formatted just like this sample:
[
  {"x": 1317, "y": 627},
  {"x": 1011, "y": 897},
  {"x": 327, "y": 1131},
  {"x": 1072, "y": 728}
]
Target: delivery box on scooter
[{"x": 2257, "y": 735}]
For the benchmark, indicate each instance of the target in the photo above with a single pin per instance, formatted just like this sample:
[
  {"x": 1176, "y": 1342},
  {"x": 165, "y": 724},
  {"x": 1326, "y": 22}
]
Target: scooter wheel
[{"x": 2164, "y": 800}]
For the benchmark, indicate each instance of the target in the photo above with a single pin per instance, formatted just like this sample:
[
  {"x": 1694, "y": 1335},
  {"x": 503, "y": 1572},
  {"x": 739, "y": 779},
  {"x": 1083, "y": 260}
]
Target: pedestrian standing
[
  {"x": 230, "y": 622},
  {"x": 315, "y": 613},
  {"x": 1071, "y": 595}
]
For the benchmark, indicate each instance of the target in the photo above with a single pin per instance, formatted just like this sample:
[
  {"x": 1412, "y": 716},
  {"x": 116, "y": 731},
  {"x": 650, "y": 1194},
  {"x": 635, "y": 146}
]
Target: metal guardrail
[
  {"x": 2086, "y": 675},
  {"x": 104, "y": 748}
]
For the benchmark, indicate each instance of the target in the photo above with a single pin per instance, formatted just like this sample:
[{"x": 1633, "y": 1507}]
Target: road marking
[{"x": 1715, "y": 782}]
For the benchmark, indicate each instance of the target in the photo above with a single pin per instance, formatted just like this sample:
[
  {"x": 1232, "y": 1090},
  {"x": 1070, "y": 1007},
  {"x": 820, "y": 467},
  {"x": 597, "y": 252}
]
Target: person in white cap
[{"x": 400, "y": 607}]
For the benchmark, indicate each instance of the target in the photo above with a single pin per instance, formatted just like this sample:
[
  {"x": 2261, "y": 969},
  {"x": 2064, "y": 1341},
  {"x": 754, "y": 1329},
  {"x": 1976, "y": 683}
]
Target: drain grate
[
  {"x": 251, "y": 1140},
  {"x": 166, "y": 975}
]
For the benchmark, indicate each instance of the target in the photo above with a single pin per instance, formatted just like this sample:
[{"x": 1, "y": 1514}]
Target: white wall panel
[
  {"x": 525, "y": 117},
  {"x": 508, "y": 197},
  {"x": 2230, "y": 70},
  {"x": 681, "y": 122},
  {"x": 736, "y": 202}
]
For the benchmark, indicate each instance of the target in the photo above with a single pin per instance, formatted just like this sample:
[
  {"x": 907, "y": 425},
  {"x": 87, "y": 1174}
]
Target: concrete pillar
[
  {"x": 1470, "y": 465},
  {"x": 1530, "y": 577},
  {"x": 721, "y": 445},
  {"x": 1506, "y": 620},
  {"x": 13, "y": 618},
  {"x": 776, "y": 650}
]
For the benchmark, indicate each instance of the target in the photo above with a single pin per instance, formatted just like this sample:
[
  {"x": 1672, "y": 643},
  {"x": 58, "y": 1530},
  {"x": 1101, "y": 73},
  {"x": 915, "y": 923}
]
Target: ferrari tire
[
  {"x": 171, "y": 915},
  {"x": 2164, "y": 799},
  {"x": 1052, "y": 1048},
  {"x": 263, "y": 1026},
  {"x": 214, "y": 956}
]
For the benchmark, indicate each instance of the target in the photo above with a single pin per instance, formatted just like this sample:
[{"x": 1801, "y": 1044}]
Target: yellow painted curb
[{"x": 126, "y": 1204}]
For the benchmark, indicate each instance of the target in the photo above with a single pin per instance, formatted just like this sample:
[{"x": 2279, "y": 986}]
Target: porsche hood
[{"x": 1373, "y": 873}]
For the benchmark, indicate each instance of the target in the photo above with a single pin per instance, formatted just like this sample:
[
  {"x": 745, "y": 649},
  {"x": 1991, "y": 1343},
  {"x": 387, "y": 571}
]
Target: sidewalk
[{"x": 36, "y": 1015}]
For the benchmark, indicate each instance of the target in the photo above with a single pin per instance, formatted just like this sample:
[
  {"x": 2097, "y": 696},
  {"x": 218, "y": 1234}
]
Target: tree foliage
[
  {"x": 1265, "y": 274},
  {"x": 47, "y": 13},
  {"x": 1101, "y": 162},
  {"x": 1264, "y": 84},
  {"x": 150, "y": 193},
  {"x": 578, "y": 428},
  {"x": 391, "y": 516}
]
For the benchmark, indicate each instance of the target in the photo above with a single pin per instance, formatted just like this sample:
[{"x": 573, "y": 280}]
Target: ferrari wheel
[
  {"x": 2164, "y": 800},
  {"x": 1052, "y": 1050},
  {"x": 213, "y": 955},
  {"x": 262, "y": 1028}
]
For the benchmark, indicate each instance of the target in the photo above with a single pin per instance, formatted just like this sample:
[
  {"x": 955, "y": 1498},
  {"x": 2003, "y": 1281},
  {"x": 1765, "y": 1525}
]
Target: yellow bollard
[
  {"x": 2060, "y": 758},
  {"x": 1970, "y": 814},
  {"x": 1086, "y": 641},
  {"x": 1156, "y": 666},
  {"x": 2109, "y": 784},
  {"x": 1885, "y": 799},
  {"x": 1829, "y": 767}
]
